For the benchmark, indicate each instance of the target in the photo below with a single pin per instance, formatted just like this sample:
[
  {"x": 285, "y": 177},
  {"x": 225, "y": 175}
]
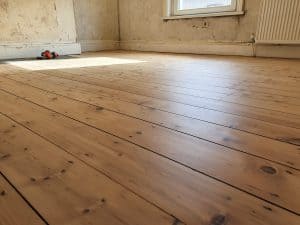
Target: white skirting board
[
  {"x": 29, "y": 50},
  {"x": 190, "y": 47},
  {"x": 99, "y": 45}
]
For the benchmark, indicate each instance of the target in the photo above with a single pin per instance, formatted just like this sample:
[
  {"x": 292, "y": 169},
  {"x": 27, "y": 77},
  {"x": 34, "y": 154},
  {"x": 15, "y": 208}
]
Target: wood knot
[
  {"x": 292, "y": 164},
  {"x": 6, "y": 131},
  {"x": 267, "y": 208},
  {"x": 228, "y": 198},
  {"x": 2, "y": 193},
  {"x": 176, "y": 221},
  {"x": 218, "y": 220},
  {"x": 268, "y": 169},
  {"x": 139, "y": 132},
  {"x": 274, "y": 195},
  {"x": 5, "y": 156},
  {"x": 99, "y": 108},
  {"x": 47, "y": 178},
  {"x": 226, "y": 139},
  {"x": 85, "y": 211},
  {"x": 151, "y": 108}
]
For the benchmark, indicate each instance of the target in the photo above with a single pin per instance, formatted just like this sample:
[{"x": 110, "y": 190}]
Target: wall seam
[{"x": 119, "y": 23}]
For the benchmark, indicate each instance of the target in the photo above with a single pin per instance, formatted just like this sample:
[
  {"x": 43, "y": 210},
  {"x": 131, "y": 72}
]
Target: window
[{"x": 202, "y": 8}]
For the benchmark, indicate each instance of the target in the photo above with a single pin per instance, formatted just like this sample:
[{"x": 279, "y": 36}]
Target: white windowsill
[{"x": 236, "y": 13}]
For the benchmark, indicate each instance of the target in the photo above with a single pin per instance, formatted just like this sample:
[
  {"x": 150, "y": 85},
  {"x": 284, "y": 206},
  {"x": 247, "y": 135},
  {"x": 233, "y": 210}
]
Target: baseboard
[
  {"x": 99, "y": 45},
  {"x": 29, "y": 50},
  {"x": 278, "y": 51},
  {"x": 190, "y": 47}
]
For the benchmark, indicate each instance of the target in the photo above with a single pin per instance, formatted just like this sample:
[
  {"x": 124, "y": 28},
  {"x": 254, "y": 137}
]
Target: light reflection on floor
[{"x": 71, "y": 63}]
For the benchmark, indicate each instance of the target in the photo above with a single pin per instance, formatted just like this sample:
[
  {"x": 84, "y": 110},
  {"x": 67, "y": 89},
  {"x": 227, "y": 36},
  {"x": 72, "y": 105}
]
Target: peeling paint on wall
[
  {"x": 36, "y": 21},
  {"x": 141, "y": 20},
  {"x": 4, "y": 6},
  {"x": 97, "y": 19}
]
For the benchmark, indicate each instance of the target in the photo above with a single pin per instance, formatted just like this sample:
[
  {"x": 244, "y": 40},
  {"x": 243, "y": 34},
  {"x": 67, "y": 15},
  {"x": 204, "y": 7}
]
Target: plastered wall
[
  {"x": 142, "y": 24},
  {"x": 68, "y": 26},
  {"x": 97, "y": 24},
  {"x": 35, "y": 21},
  {"x": 28, "y": 27},
  {"x": 142, "y": 20}
]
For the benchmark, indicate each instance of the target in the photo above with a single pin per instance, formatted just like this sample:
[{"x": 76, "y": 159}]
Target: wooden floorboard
[
  {"x": 213, "y": 86},
  {"x": 275, "y": 117},
  {"x": 13, "y": 208},
  {"x": 140, "y": 134},
  {"x": 181, "y": 87},
  {"x": 171, "y": 117},
  {"x": 286, "y": 154},
  {"x": 176, "y": 189},
  {"x": 203, "y": 91},
  {"x": 164, "y": 141},
  {"x": 64, "y": 189},
  {"x": 196, "y": 100},
  {"x": 189, "y": 73}
]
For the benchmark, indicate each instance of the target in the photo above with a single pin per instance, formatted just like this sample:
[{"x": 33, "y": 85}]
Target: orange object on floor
[{"x": 48, "y": 55}]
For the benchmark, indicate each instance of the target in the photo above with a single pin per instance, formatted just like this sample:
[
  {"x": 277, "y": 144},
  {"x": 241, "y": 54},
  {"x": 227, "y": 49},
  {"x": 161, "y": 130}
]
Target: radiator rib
[{"x": 279, "y": 22}]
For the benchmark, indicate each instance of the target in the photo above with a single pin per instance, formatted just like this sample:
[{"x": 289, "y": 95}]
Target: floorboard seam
[
  {"x": 174, "y": 161},
  {"x": 24, "y": 198}
]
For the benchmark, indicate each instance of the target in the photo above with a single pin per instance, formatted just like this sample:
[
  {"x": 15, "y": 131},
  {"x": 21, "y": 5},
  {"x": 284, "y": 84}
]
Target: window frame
[{"x": 172, "y": 12}]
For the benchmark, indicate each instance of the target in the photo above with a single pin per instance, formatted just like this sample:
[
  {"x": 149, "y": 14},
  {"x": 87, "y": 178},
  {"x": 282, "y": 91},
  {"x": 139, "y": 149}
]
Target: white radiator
[{"x": 279, "y": 22}]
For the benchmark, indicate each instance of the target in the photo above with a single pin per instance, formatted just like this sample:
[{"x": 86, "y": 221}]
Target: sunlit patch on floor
[{"x": 71, "y": 63}]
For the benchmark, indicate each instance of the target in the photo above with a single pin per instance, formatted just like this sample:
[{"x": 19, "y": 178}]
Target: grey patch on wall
[
  {"x": 44, "y": 20},
  {"x": 4, "y": 5}
]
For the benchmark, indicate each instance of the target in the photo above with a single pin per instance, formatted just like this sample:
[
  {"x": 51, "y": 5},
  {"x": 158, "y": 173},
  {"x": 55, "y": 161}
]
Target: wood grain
[
  {"x": 177, "y": 189},
  {"x": 199, "y": 100},
  {"x": 203, "y": 90},
  {"x": 192, "y": 122},
  {"x": 202, "y": 156},
  {"x": 164, "y": 139},
  {"x": 14, "y": 209},
  {"x": 127, "y": 127},
  {"x": 273, "y": 117},
  {"x": 64, "y": 189}
]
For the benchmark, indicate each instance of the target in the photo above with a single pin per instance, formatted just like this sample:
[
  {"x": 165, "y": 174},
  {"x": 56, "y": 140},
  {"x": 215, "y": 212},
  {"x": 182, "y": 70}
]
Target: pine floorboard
[{"x": 150, "y": 138}]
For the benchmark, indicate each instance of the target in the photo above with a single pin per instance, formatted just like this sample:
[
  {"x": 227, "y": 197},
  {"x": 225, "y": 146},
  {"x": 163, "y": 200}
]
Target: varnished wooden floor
[{"x": 125, "y": 138}]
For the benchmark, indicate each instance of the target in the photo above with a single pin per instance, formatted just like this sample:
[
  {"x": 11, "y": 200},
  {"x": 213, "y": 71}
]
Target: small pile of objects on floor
[{"x": 48, "y": 55}]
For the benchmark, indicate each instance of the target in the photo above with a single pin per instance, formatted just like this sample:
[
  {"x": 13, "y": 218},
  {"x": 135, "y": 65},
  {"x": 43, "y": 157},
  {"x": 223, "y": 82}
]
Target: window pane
[{"x": 196, "y": 4}]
